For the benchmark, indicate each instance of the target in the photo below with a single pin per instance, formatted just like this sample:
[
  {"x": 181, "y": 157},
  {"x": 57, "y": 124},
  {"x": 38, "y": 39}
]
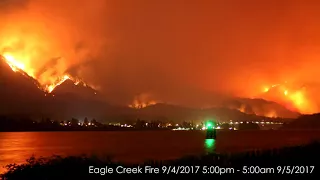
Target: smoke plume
[{"x": 178, "y": 51}]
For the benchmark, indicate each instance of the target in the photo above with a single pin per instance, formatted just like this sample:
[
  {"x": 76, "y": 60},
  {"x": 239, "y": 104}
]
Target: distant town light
[{"x": 181, "y": 129}]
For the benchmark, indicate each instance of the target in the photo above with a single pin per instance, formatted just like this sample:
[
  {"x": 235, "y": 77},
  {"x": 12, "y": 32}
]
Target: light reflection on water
[
  {"x": 16, "y": 147},
  {"x": 210, "y": 145}
]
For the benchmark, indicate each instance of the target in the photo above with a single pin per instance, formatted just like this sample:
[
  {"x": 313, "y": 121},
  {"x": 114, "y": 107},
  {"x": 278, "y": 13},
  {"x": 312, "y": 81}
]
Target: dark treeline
[
  {"x": 8, "y": 124},
  {"x": 21, "y": 123},
  {"x": 305, "y": 121},
  {"x": 18, "y": 124},
  {"x": 249, "y": 126}
]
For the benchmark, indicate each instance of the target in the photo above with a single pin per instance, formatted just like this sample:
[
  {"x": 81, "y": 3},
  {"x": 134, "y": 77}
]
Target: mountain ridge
[{"x": 20, "y": 93}]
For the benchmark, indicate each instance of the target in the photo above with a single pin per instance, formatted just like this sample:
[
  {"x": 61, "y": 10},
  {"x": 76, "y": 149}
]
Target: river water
[{"x": 16, "y": 147}]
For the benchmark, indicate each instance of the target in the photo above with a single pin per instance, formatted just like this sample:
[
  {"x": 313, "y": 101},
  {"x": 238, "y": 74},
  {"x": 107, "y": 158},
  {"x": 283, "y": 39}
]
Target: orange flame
[
  {"x": 16, "y": 66},
  {"x": 295, "y": 98},
  {"x": 142, "y": 101}
]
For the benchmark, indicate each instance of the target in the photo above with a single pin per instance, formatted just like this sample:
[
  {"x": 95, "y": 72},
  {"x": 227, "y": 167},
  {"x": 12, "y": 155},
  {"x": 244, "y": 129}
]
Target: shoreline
[
  {"x": 163, "y": 129},
  {"x": 57, "y": 167}
]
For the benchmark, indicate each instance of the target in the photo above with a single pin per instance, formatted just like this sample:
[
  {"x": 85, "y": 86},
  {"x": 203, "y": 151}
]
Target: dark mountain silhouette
[
  {"x": 19, "y": 83},
  {"x": 168, "y": 112},
  {"x": 260, "y": 107},
  {"x": 305, "y": 122},
  {"x": 81, "y": 90},
  {"x": 20, "y": 94}
]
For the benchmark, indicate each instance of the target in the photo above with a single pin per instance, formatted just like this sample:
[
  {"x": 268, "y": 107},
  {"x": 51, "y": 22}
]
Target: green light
[
  {"x": 209, "y": 125},
  {"x": 210, "y": 145}
]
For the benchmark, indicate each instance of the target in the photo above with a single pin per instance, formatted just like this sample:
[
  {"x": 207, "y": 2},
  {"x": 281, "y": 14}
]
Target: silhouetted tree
[
  {"x": 225, "y": 126},
  {"x": 86, "y": 121},
  {"x": 248, "y": 126},
  {"x": 140, "y": 124},
  {"x": 93, "y": 122},
  {"x": 186, "y": 124},
  {"x": 74, "y": 122}
]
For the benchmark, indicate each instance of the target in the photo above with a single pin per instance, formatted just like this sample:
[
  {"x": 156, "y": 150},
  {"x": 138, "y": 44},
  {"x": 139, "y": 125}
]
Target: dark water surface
[{"x": 16, "y": 147}]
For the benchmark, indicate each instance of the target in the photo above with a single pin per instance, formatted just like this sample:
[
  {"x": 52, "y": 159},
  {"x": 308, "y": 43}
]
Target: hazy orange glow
[
  {"x": 139, "y": 105},
  {"x": 36, "y": 41},
  {"x": 142, "y": 101},
  {"x": 28, "y": 57},
  {"x": 294, "y": 98},
  {"x": 17, "y": 65},
  {"x": 182, "y": 52},
  {"x": 13, "y": 63}
]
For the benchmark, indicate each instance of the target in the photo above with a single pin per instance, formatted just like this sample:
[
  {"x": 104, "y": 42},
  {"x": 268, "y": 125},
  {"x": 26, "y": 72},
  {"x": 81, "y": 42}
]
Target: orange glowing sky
[{"x": 178, "y": 51}]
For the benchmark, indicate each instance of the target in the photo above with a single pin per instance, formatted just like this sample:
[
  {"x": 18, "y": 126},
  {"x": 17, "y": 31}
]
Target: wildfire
[
  {"x": 142, "y": 101},
  {"x": 139, "y": 105},
  {"x": 294, "y": 98},
  {"x": 51, "y": 87},
  {"x": 17, "y": 66}
]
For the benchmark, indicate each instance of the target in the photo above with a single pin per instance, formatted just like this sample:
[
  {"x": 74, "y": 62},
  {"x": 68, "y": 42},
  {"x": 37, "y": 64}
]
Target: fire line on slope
[{"x": 18, "y": 67}]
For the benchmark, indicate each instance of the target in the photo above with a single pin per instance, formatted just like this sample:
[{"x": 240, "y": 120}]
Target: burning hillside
[
  {"x": 169, "y": 50},
  {"x": 142, "y": 101},
  {"x": 296, "y": 98},
  {"x": 35, "y": 40},
  {"x": 293, "y": 99},
  {"x": 20, "y": 67}
]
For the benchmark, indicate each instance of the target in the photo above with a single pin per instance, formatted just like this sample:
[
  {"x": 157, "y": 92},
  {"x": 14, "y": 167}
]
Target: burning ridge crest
[{"x": 19, "y": 67}]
